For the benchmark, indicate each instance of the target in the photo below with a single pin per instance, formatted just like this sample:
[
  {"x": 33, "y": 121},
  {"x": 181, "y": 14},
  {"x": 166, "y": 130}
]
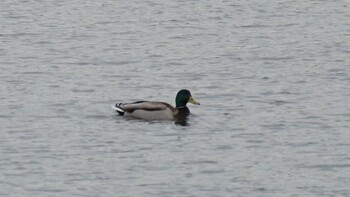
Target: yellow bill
[{"x": 193, "y": 101}]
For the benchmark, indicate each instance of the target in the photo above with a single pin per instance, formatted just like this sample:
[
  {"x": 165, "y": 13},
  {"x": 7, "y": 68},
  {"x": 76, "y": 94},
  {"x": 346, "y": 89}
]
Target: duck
[{"x": 153, "y": 110}]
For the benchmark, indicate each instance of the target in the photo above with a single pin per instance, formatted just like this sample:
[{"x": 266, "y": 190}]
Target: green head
[{"x": 183, "y": 97}]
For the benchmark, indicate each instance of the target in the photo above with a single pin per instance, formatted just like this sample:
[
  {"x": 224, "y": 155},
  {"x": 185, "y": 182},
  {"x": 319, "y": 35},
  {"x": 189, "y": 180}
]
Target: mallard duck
[{"x": 150, "y": 110}]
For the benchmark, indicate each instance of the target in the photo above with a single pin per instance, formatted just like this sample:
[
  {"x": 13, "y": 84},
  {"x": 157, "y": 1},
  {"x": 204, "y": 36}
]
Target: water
[{"x": 272, "y": 78}]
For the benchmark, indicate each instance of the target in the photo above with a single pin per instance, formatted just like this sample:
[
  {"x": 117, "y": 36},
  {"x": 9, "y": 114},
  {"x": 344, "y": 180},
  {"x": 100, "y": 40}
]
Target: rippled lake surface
[{"x": 273, "y": 79}]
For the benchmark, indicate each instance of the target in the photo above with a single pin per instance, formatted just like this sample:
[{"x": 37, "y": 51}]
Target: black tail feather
[{"x": 118, "y": 108}]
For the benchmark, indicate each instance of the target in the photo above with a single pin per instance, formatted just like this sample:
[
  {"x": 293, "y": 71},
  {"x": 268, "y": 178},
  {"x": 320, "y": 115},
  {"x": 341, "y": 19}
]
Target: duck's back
[{"x": 148, "y": 110}]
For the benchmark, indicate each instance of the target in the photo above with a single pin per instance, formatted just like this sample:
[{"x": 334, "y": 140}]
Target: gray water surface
[{"x": 273, "y": 79}]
